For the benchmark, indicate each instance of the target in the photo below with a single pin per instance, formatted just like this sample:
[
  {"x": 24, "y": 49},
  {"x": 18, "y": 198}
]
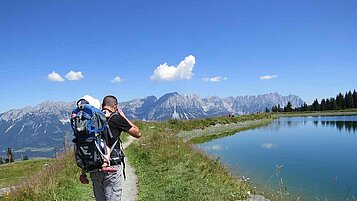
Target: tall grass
[
  {"x": 345, "y": 112},
  {"x": 14, "y": 173},
  {"x": 167, "y": 169},
  {"x": 170, "y": 169},
  {"x": 187, "y": 125},
  {"x": 57, "y": 181}
]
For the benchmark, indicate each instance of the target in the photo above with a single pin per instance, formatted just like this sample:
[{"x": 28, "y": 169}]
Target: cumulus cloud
[
  {"x": 184, "y": 71},
  {"x": 117, "y": 79},
  {"x": 74, "y": 75},
  {"x": 269, "y": 146},
  {"x": 55, "y": 77},
  {"x": 214, "y": 79},
  {"x": 268, "y": 77}
]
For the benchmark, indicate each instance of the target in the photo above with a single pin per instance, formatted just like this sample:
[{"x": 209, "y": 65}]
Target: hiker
[
  {"x": 108, "y": 185},
  {"x": 106, "y": 156}
]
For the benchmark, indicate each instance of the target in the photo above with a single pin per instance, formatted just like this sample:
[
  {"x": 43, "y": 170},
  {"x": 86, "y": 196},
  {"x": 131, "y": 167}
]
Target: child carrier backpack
[{"x": 90, "y": 132}]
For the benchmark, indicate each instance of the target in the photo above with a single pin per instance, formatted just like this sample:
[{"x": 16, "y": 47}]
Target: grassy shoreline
[
  {"x": 197, "y": 136},
  {"x": 350, "y": 112},
  {"x": 170, "y": 169}
]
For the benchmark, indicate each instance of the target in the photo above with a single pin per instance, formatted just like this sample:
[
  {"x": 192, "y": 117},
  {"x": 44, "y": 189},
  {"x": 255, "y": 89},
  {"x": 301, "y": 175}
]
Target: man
[{"x": 108, "y": 185}]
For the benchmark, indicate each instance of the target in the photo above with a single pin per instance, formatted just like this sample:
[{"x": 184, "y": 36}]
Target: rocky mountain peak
[{"x": 45, "y": 125}]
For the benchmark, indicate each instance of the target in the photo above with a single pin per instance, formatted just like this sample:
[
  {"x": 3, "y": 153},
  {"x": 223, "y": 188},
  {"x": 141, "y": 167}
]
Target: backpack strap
[
  {"x": 108, "y": 128},
  {"x": 115, "y": 143}
]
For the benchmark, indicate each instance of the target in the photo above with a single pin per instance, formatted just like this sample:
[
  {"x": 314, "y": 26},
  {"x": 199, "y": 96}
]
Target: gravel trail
[{"x": 130, "y": 190}]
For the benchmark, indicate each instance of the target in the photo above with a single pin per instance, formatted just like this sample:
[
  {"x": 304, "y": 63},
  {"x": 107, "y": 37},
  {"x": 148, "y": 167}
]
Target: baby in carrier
[{"x": 106, "y": 150}]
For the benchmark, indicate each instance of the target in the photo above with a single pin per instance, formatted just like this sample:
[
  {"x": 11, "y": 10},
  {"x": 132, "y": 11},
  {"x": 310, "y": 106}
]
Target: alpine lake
[{"x": 295, "y": 158}]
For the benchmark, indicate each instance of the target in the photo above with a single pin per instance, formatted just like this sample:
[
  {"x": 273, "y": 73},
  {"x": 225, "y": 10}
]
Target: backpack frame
[{"x": 90, "y": 129}]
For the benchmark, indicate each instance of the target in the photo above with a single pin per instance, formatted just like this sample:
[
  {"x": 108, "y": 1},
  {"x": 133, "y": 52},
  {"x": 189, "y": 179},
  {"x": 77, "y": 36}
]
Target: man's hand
[
  {"x": 134, "y": 131},
  {"x": 121, "y": 113}
]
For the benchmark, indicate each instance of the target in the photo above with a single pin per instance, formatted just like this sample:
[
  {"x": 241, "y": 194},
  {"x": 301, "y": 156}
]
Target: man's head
[{"x": 110, "y": 102}]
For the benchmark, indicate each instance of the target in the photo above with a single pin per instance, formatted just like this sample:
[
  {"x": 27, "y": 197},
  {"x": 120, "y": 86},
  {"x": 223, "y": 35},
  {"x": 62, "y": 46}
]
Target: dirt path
[{"x": 130, "y": 190}]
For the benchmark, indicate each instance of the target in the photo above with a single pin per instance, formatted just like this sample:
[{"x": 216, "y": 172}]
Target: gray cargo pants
[{"x": 108, "y": 186}]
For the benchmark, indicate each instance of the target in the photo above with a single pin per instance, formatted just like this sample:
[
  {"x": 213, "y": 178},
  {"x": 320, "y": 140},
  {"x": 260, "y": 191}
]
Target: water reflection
[
  {"x": 278, "y": 124},
  {"x": 313, "y": 150},
  {"x": 349, "y": 126}
]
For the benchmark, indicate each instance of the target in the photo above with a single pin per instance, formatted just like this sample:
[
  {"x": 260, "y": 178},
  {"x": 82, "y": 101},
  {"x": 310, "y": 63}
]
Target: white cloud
[
  {"x": 117, "y": 79},
  {"x": 184, "y": 71},
  {"x": 268, "y": 77},
  {"x": 214, "y": 79},
  {"x": 269, "y": 146},
  {"x": 55, "y": 77},
  {"x": 74, "y": 75}
]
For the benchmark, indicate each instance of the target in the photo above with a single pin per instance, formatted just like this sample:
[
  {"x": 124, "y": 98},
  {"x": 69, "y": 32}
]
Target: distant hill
[{"x": 45, "y": 125}]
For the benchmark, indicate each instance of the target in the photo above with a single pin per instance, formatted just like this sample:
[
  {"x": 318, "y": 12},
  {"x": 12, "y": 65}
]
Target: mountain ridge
[{"x": 45, "y": 124}]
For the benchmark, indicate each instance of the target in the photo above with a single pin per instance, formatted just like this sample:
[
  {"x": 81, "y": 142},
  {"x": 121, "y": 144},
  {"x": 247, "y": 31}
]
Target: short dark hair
[{"x": 109, "y": 101}]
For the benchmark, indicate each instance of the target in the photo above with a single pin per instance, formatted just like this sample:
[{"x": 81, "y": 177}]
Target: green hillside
[
  {"x": 14, "y": 173},
  {"x": 57, "y": 181},
  {"x": 167, "y": 168}
]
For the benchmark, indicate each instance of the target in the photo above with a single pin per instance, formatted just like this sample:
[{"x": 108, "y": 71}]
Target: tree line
[
  {"x": 340, "y": 102},
  {"x": 10, "y": 157}
]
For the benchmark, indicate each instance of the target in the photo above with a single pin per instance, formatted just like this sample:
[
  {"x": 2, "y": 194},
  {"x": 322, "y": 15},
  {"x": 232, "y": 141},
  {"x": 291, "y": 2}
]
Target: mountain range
[
  {"x": 38, "y": 130},
  {"x": 177, "y": 106}
]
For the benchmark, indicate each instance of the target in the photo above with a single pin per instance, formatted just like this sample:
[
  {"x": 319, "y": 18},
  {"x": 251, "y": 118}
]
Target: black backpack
[{"x": 90, "y": 131}]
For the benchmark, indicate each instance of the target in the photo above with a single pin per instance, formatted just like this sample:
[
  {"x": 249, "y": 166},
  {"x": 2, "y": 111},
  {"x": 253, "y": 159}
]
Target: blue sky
[{"x": 226, "y": 48}]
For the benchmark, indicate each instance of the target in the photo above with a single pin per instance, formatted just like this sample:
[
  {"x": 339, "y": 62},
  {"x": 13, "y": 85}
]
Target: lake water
[{"x": 317, "y": 156}]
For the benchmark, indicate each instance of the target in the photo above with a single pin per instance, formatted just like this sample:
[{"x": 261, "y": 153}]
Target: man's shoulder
[{"x": 116, "y": 117}]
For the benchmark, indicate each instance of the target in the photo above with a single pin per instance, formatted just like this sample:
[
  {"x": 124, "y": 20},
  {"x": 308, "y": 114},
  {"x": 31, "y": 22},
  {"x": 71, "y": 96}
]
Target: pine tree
[
  {"x": 288, "y": 107},
  {"x": 354, "y": 99},
  {"x": 274, "y": 108},
  {"x": 1, "y": 160},
  {"x": 315, "y": 105},
  {"x": 323, "y": 105},
  {"x": 267, "y": 110},
  {"x": 328, "y": 105},
  {"x": 349, "y": 100},
  {"x": 334, "y": 105},
  {"x": 305, "y": 107},
  {"x": 25, "y": 157},
  {"x": 350, "y": 95},
  {"x": 340, "y": 100},
  {"x": 10, "y": 155}
]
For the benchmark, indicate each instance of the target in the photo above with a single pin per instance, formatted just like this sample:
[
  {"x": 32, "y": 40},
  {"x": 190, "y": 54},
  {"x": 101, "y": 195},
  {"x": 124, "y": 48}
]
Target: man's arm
[{"x": 134, "y": 130}]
